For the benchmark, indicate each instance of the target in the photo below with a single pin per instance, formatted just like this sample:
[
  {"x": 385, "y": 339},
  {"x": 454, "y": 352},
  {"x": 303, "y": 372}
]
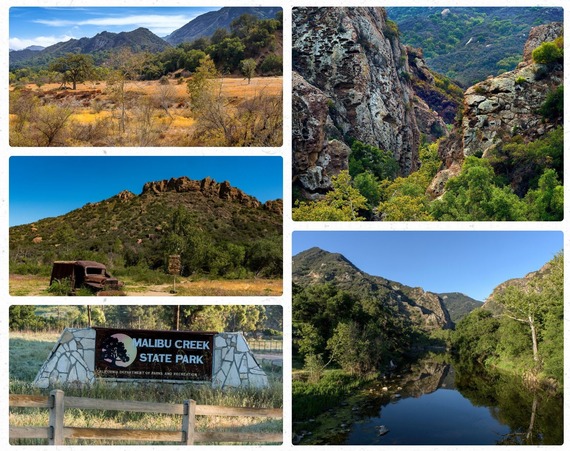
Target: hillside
[
  {"x": 520, "y": 328},
  {"x": 521, "y": 282},
  {"x": 458, "y": 305},
  {"x": 414, "y": 306},
  {"x": 469, "y": 44},
  {"x": 216, "y": 228},
  {"x": 206, "y": 24},
  {"x": 99, "y": 46}
]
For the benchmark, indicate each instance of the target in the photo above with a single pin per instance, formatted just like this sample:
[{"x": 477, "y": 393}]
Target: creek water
[{"x": 434, "y": 402}]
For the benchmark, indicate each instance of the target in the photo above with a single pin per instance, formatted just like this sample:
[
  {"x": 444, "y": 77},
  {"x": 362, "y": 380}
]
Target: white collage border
[{"x": 289, "y": 225}]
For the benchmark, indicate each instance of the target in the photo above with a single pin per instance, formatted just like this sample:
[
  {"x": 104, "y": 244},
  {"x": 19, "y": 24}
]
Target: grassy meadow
[{"x": 28, "y": 351}]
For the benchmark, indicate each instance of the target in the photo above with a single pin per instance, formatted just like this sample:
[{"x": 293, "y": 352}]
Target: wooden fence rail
[{"x": 56, "y": 433}]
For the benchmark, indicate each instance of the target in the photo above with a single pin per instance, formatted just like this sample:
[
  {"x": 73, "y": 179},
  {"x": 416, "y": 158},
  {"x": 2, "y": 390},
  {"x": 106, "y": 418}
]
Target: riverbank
[{"x": 431, "y": 401}]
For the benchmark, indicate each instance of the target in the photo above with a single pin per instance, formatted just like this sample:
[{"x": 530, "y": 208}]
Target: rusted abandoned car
[{"x": 86, "y": 273}]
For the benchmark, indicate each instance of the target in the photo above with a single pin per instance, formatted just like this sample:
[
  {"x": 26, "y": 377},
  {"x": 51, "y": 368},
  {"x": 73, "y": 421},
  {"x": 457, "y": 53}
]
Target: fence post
[
  {"x": 189, "y": 422},
  {"x": 56, "y": 417}
]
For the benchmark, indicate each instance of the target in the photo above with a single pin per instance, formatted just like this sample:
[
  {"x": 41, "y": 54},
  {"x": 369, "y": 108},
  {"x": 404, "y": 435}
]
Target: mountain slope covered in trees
[
  {"x": 458, "y": 304},
  {"x": 217, "y": 229},
  {"x": 469, "y": 44},
  {"x": 359, "y": 321},
  {"x": 207, "y": 24},
  {"x": 100, "y": 46}
]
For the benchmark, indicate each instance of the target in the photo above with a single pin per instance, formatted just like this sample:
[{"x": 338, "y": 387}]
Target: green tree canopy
[
  {"x": 474, "y": 196},
  {"x": 74, "y": 67},
  {"x": 342, "y": 203}
]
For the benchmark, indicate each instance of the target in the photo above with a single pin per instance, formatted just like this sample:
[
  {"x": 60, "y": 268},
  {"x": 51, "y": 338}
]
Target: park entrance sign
[
  {"x": 83, "y": 356},
  {"x": 151, "y": 354}
]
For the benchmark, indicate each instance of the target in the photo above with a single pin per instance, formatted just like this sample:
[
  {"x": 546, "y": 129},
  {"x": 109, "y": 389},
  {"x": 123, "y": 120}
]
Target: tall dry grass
[{"x": 29, "y": 350}]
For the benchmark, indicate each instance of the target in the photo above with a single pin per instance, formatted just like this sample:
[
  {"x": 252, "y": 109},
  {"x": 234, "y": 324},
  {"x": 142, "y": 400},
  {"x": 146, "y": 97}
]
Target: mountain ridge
[
  {"x": 206, "y": 24},
  {"x": 459, "y": 304},
  {"x": 138, "y": 40},
  {"x": 422, "y": 308}
]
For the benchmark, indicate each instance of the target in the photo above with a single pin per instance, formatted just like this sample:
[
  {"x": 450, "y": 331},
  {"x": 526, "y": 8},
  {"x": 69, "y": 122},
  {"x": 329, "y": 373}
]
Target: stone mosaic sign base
[{"x": 72, "y": 361}]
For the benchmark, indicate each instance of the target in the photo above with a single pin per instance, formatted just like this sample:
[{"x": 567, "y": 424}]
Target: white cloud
[
  {"x": 156, "y": 23},
  {"x": 44, "y": 41}
]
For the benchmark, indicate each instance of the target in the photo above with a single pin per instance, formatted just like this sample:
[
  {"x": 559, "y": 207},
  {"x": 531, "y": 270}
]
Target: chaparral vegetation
[{"x": 140, "y": 90}]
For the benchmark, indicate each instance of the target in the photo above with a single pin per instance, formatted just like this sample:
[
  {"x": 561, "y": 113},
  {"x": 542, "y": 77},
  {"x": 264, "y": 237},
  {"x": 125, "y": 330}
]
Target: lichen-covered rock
[
  {"x": 450, "y": 152},
  {"x": 502, "y": 107},
  {"x": 351, "y": 83},
  {"x": 508, "y": 105},
  {"x": 540, "y": 34},
  {"x": 314, "y": 161}
]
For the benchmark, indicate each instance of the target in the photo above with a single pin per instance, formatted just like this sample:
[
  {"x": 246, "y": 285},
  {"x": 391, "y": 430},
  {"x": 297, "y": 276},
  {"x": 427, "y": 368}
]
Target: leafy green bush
[
  {"x": 391, "y": 30},
  {"x": 272, "y": 65},
  {"x": 310, "y": 399},
  {"x": 364, "y": 157},
  {"x": 547, "y": 53}
]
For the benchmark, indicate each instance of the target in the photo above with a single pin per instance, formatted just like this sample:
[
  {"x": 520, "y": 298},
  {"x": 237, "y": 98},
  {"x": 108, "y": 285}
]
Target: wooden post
[
  {"x": 56, "y": 417},
  {"x": 189, "y": 422}
]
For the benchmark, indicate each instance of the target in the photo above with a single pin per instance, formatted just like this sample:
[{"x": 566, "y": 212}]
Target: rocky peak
[
  {"x": 208, "y": 187},
  {"x": 422, "y": 308},
  {"x": 521, "y": 282},
  {"x": 507, "y": 105}
]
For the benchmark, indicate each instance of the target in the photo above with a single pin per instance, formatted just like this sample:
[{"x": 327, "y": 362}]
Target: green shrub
[
  {"x": 309, "y": 400},
  {"x": 60, "y": 287},
  {"x": 479, "y": 89},
  {"x": 547, "y": 53},
  {"x": 272, "y": 65},
  {"x": 391, "y": 30}
]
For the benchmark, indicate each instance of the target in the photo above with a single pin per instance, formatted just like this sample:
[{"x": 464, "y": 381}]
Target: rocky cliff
[
  {"x": 500, "y": 108},
  {"x": 507, "y": 105},
  {"x": 210, "y": 188},
  {"x": 351, "y": 81}
]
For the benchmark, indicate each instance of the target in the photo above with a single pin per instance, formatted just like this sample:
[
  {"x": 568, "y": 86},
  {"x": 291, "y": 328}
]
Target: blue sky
[
  {"x": 48, "y": 26},
  {"x": 473, "y": 263},
  {"x": 43, "y": 187}
]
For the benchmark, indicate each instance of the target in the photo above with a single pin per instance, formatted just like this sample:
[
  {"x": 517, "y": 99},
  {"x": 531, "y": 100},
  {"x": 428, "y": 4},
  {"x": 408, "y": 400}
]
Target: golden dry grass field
[
  {"x": 31, "y": 285},
  {"x": 146, "y": 113}
]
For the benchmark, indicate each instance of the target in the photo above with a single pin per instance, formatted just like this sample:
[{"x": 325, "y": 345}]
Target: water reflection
[{"x": 437, "y": 402}]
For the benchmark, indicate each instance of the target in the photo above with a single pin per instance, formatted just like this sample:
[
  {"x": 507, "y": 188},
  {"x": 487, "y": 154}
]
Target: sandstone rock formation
[
  {"x": 351, "y": 81},
  {"x": 125, "y": 196},
  {"x": 207, "y": 187}
]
